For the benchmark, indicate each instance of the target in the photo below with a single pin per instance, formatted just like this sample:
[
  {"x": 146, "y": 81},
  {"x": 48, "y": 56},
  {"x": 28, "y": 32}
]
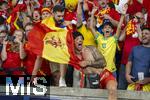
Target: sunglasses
[{"x": 138, "y": 17}]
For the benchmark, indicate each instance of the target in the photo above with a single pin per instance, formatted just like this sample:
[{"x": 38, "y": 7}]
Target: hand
[
  {"x": 128, "y": 78},
  {"x": 106, "y": 16},
  {"x": 125, "y": 8}
]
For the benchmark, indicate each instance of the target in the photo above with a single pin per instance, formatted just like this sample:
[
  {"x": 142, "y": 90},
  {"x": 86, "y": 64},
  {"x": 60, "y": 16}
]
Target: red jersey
[{"x": 13, "y": 60}]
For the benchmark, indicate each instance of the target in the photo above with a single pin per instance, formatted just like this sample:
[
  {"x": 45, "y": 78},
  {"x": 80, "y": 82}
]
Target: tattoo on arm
[{"x": 99, "y": 59}]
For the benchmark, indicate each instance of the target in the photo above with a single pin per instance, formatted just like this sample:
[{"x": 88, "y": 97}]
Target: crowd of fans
[{"x": 121, "y": 37}]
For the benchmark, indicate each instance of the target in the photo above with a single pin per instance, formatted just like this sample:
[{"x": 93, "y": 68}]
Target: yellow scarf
[{"x": 131, "y": 27}]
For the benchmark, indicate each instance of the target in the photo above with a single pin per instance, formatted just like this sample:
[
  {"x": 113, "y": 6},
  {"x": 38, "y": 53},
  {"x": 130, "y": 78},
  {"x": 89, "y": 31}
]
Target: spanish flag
[{"x": 53, "y": 43}]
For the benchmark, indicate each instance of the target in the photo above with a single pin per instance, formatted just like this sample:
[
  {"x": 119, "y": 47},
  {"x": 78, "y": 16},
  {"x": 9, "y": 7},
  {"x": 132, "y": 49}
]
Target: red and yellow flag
[
  {"x": 53, "y": 43},
  {"x": 12, "y": 21},
  {"x": 100, "y": 14},
  {"x": 131, "y": 27}
]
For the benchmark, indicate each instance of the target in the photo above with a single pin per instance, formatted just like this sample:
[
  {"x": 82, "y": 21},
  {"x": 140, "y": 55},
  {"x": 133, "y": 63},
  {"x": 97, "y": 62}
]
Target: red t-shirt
[
  {"x": 13, "y": 58},
  {"x": 129, "y": 43}
]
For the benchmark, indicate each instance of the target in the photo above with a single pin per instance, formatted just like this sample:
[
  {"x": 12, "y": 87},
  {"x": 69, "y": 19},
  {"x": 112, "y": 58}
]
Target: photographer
[{"x": 13, "y": 53}]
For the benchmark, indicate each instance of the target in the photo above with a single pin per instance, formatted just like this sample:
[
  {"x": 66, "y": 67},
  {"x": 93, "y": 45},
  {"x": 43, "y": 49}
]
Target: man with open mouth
[{"x": 138, "y": 65}]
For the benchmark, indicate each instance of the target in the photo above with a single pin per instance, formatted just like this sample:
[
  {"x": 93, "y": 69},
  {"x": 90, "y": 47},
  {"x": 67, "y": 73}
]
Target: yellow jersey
[
  {"x": 107, "y": 46},
  {"x": 88, "y": 36}
]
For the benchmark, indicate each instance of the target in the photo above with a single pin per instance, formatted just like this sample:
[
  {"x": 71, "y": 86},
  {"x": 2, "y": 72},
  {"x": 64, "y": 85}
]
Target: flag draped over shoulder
[{"x": 53, "y": 43}]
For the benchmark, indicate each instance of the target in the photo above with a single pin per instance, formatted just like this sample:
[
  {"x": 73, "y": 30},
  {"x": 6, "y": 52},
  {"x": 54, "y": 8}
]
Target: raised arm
[
  {"x": 29, "y": 12},
  {"x": 123, "y": 35},
  {"x": 22, "y": 51},
  {"x": 92, "y": 24},
  {"x": 113, "y": 21},
  {"x": 79, "y": 13},
  {"x": 121, "y": 20},
  {"x": 85, "y": 5},
  {"x": 139, "y": 32}
]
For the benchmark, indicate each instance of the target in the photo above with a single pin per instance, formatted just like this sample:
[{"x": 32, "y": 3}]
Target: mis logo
[{"x": 20, "y": 87}]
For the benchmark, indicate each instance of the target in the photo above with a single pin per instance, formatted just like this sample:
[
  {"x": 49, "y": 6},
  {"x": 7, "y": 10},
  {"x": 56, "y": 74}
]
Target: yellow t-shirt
[
  {"x": 88, "y": 36},
  {"x": 107, "y": 46}
]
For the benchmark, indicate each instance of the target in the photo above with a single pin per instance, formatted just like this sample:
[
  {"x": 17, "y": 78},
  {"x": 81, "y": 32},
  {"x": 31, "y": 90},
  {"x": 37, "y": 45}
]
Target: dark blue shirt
[{"x": 140, "y": 57}]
